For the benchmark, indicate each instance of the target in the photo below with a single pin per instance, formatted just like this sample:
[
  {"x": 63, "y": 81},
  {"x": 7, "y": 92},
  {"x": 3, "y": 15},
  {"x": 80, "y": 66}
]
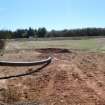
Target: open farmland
[
  {"x": 74, "y": 77},
  {"x": 89, "y": 44}
]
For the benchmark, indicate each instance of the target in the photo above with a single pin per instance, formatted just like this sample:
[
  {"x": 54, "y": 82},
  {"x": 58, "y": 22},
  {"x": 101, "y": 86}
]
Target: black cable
[
  {"x": 29, "y": 73},
  {"x": 11, "y": 63}
]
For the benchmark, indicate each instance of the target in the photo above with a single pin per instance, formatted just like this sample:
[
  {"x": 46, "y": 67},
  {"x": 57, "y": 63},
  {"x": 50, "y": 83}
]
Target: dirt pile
[{"x": 73, "y": 78}]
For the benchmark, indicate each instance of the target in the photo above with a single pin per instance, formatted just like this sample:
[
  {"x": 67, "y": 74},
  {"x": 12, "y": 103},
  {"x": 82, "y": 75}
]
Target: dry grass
[{"x": 92, "y": 44}]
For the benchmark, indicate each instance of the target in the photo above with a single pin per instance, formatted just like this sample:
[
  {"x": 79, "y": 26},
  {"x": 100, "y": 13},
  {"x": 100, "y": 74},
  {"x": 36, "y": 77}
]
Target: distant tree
[
  {"x": 30, "y": 32},
  {"x": 50, "y": 34},
  {"x": 41, "y": 32},
  {"x": 35, "y": 33},
  {"x": 20, "y": 33},
  {"x": 5, "y": 34}
]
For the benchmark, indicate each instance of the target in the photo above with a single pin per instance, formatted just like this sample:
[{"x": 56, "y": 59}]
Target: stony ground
[{"x": 73, "y": 78}]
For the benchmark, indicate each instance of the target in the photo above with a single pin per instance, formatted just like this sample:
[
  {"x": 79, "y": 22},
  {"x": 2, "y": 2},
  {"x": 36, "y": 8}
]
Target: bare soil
[{"x": 72, "y": 78}]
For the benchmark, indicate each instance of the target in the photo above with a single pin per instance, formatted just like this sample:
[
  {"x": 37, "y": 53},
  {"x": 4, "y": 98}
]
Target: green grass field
[{"x": 91, "y": 44}]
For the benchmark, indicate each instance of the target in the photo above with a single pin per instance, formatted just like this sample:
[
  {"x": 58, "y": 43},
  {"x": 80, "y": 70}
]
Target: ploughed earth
[{"x": 72, "y": 78}]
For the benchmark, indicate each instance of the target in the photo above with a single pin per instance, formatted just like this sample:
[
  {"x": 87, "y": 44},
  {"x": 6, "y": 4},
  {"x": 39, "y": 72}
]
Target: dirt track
[{"x": 73, "y": 78}]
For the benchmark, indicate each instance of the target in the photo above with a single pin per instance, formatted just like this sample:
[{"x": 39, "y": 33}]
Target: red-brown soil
[{"x": 72, "y": 78}]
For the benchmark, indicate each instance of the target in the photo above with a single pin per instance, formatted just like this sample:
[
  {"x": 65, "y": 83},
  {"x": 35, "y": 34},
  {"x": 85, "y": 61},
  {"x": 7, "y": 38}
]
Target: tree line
[{"x": 43, "y": 33}]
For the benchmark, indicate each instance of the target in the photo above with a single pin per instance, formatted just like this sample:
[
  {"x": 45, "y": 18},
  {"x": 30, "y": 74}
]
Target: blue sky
[{"x": 52, "y": 14}]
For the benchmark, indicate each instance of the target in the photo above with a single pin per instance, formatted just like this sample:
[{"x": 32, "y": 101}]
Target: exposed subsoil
[{"x": 72, "y": 78}]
